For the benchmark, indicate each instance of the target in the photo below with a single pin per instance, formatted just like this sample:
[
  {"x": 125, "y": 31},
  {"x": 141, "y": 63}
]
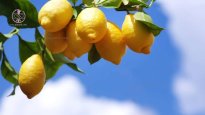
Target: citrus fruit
[
  {"x": 112, "y": 46},
  {"x": 74, "y": 42},
  {"x": 55, "y": 15},
  {"x": 137, "y": 36},
  {"x": 32, "y": 76},
  {"x": 69, "y": 54},
  {"x": 55, "y": 41},
  {"x": 91, "y": 25}
]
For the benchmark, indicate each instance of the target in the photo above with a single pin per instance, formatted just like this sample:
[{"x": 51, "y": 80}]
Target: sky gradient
[{"x": 166, "y": 82}]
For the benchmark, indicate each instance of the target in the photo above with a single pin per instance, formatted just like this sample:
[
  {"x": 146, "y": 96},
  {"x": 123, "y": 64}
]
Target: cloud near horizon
[
  {"x": 186, "y": 26},
  {"x": 67, "y": 96}
]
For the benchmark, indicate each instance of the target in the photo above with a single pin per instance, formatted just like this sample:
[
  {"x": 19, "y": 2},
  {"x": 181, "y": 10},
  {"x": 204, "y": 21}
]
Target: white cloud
[
  {"x": 186, "y": 25},
  {"x": 67, "y": 97}
]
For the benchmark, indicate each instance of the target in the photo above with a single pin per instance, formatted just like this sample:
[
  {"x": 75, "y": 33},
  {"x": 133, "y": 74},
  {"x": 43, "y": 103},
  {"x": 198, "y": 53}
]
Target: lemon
[
  {"x": 32, "y": 76},
  {"x": 69, "y": 54},
  {"x": 55, "y": 15},
  {"x": 138, "y": 37},
  {"x": 91, "y": 25},
  {"x": 75, "y": 43},
  {"x": 55, "y": 41},
  {"x": 112, "y": 46}
]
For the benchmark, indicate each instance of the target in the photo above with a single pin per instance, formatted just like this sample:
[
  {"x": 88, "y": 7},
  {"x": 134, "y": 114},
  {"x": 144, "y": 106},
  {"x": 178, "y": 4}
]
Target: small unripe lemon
[
  {"x": 91, "y": 25},
  {"x": 74, "y": 42},
  {"x": 55, "y": 41},
  {"x": 32, "y": 76},
  {"x": 55, "y": 15},
  {"x": 112, "y": 46},
  {"x": 137, "y": 36}
]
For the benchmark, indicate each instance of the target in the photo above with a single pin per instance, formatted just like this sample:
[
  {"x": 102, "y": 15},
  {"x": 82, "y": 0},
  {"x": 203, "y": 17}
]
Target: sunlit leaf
[
  {"x": 147, "y": 20},
  {"x": 111, "y": 3}
]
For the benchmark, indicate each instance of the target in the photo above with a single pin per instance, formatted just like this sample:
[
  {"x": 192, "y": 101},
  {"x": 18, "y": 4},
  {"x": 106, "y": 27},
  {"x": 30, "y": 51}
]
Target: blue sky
[{"x": 145, "y": 80}]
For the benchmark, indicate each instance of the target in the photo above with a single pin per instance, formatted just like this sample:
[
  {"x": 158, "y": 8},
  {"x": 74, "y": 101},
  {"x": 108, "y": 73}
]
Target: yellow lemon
[
  {"x": 138, "y": 37},
  {"x": 91, "y": 25},
  {"x": 55, "y": 41},
  {"x": 32, "y": 76},
  {"x": 69, "y": 54},
  {"x": 75, "y": 43},
  {"x": 112, "y": 46},
  {"x": 55, "y": 15}
]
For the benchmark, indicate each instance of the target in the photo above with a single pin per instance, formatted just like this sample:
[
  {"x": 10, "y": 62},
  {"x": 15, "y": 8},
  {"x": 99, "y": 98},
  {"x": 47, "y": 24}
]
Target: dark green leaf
[
  {"x": 3, "y": 38},
  {"x": 61, "y": 58},
  {"x": 147, "y": 20},
  {"x": 76, "y": 11},
  {"x": 111, "y": 3},
  {"x": 39, "y": 39},
  {"x": 51, "y": 68},
  {"x": 8, "y": 71},
  {"x": 27, "y": 49},
  {"x": 93, "y": 55},
  {"x": 1, "y": 50},
  {"x": 19, "y": 13},
  {"x": 74, "y": 67},
  {"x": 126, "y": 8},
  {"x": 13, "y": 91}
]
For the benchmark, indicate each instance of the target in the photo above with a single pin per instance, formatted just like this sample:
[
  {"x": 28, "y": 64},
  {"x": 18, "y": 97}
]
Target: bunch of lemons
[{"x": 73, "y": 38}]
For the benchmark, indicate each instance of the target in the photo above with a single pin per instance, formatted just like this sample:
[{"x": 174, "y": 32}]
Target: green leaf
[
  {"x": 93, "y": 55},
  {"x": 111, "y": 3},
  {"x": 4, "y": 37},
  {"x": 12, "y": 33},
  {"x": 1, "y": 50},
  {"x": 147, "y": 20},
  {"x": 41, "y": 44},
  {"x": 89, "y": 3},
  {"x": 13, "y": 91},
  {"x": 125, "y": 2},
  {"x": 51, "y": 68},
  {"x": 139, "y": 2},
  {"x": 27, "y": 49},
  {"x": 8, "y": 71},
  {"x": 61, "y": 58},
  {"x": 76, "y": 11},
  {"x": 19, "y": 13},
  {"x": 39, "y": 40}
]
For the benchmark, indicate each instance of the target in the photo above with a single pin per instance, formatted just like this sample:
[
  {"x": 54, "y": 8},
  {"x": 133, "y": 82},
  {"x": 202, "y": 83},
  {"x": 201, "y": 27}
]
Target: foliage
[{"x": 54, "y": 62}]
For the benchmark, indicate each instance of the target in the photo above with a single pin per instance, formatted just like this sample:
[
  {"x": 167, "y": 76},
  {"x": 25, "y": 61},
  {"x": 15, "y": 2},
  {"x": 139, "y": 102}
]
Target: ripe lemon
[
  {"x": 69, "y": 54},
  {"x": 75, "y": 43},
  {"x": 91, "y": 25},
  {"x": 55, "y": 15},
  {"x": 138, "y": 37},
  {"x": 55, "y": 41},
  {"x": 112, "y": 46},
  {"x": 32, "y": 76}
]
